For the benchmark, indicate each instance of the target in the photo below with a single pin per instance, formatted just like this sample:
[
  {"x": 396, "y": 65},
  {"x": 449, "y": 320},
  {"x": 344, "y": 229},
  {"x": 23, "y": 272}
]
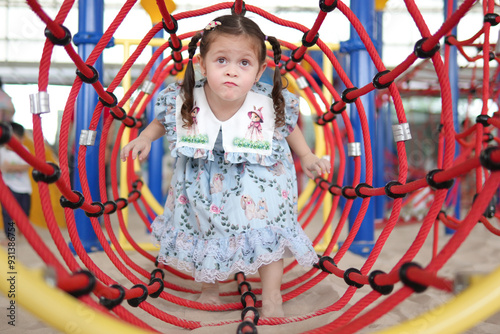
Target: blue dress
[{"x": 232, "y": 202}]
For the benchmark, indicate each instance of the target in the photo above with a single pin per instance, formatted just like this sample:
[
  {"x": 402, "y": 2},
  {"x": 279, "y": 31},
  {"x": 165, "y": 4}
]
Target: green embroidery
[
  {"x": 199, "y": 139},
  {"x": 256, "y": 145}
]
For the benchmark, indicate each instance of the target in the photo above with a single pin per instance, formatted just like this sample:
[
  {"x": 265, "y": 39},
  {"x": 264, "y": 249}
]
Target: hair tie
[
  {"x": 212, "y": 24},
  {"x": 265, "y": 37}
]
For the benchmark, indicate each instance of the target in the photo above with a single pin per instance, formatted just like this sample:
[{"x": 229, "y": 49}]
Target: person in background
[
  {"x": 15, "y": 174},
  {"x": 6, "y": 107}
]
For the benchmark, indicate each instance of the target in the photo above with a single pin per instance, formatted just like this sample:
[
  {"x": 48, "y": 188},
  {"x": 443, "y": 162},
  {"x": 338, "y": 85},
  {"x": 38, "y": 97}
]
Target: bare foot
[
  {"x": 209, "y": 294},
  {"x": 272, "y": 306}
]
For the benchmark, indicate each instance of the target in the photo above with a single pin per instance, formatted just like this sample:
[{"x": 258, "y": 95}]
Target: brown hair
[{"x": 233, "y": 25}]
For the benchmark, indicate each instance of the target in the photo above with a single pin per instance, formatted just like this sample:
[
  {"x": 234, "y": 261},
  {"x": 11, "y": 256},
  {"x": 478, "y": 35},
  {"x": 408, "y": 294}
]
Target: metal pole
[
  {"x": 90, "y": 30},
  {"x": 361, "y": 71}
]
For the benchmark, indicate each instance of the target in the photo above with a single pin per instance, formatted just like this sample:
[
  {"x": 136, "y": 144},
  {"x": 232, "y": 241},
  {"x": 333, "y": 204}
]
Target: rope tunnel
[{"x": 342, "y": 133}]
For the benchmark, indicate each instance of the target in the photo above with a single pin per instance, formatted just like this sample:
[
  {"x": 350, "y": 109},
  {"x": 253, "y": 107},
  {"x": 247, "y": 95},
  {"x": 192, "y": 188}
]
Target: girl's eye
[
  {"x": 245, "y": 62},
  {"x": 221, "y": 60}
]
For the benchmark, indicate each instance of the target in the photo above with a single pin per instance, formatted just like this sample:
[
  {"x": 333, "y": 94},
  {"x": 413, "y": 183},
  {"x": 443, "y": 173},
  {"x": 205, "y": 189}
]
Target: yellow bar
[
  {"x": 55, "y": 307},
  {"x": 480, "y": 301}
]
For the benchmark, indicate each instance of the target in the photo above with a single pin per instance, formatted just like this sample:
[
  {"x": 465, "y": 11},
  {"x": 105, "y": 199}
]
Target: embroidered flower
[
  {"x": 284, "y": 194},
  {"x": 183, "y": 199},
  {"x": 214, "y": 209},
  {"x": 212, "y": 25}
]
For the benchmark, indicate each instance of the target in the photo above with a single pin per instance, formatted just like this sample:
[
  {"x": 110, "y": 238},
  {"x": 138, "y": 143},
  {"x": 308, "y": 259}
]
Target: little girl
[{"x": 231, "y": 205}]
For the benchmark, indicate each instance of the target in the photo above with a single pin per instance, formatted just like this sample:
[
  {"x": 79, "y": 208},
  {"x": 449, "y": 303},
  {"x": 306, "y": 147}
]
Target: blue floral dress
[{"x": 232, "y": 203}]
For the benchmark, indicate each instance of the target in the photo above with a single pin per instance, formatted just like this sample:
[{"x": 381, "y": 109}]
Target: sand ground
[{"x": 479, "y": 254}]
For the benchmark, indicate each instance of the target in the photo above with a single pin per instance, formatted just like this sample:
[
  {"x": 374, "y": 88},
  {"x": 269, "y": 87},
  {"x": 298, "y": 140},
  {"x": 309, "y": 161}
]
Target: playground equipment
[{"x": 350, "y": 113}]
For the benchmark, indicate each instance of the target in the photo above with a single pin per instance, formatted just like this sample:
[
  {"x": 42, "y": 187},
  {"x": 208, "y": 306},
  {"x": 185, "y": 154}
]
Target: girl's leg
[
  {"x": 271, "y": 276},
  {"x": 209, "y": 293}
]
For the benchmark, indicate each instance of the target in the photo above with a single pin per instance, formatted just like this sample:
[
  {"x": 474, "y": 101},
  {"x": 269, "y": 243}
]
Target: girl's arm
[
  {"x": 309, "y": 161},
  {"x": 141, "y": 145}
]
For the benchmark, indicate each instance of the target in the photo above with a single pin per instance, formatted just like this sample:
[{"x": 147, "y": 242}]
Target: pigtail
[
  {"x": 188, "y": 83},
  {"x": 278, "y": 99}
]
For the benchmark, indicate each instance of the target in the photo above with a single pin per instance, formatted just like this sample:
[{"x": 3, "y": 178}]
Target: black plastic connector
[
  {"x": 485, "y": 158},
  {"x": 376, "y": 80},
  {"x": 40, "y": 177},
  {"x": 443, "y": 185},
  {"x": 350, "y": 281},
  {"x": 491, "y": 18},
  {"x": 344, "y": 188},
  {"x": 98, "y": 213},
  {"x": 122, "y": 200},
  {"x": 66, "y": 203},
  {"x": 483, "y": 119},
  {"x": 311, "y": 43},
  {"x": 179, "y": 48},
  {"x": 174, "y": 29},
  {"x": 244, "y": 324},
  {"x": 244, "y": 296},
  {"x": 249, "y": 287},
  {"x": 334, "y": 193},
  {"x": 90, "y": 286},
  {"x": 358, "y": 188},
  {"x": 332, "y": 108},
  {"x": 113, "y": 210},
  {"x": 255, "y": 312},
  {"x": 325, "y": 8},
  {"x": 6, "y": 133},
  {"x": 243, "y": 9},
  {"x": 420, "y": 53},
  {"x": 160, "y": 289},
  {"x": 111, "y": 303},
  {"x": 65, "y": 40},
  {"x": 347, "y": 91},
  {"x": 112, "y": 104},
  {"x": 382, "y": 289},
  {"x": 133, "y": 120},
  {"x": 91, "y": 80},
  {"x": 388, "y": 191},
  {"x": 115, "y": 116},
  {"x": 403, "y": 276},
  {"x": 134, "y": 302},
  {"x": 322, "y": 261}
]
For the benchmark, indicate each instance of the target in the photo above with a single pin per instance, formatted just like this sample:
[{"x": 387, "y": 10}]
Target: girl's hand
[
  {"x": 311, "y": 163},
  {"x": 140, "y": 146}
]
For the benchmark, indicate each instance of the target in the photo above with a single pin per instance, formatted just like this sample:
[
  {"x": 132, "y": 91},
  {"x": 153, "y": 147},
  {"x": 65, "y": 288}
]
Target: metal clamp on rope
[
  {"x": 302, "y": 82},
  {"x": 354, "y": 149},
  {"x": 39, "y": 103},
  {"x": 148, "y": 87},
  {"x": 382, "y": 289},
  {"x": 111, "y": 303},
  {"x": 134, "y": 302},
  {"x": 87, "y": 138},
  {"x": 401, "y": 132}
]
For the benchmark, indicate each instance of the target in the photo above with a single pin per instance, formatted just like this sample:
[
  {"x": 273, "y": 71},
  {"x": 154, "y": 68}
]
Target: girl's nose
[{"x": 231, "y": 71}]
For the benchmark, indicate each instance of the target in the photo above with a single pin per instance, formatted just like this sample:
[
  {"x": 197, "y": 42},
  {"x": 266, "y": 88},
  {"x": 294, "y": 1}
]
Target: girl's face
[{"x": 231, "y": 66}]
